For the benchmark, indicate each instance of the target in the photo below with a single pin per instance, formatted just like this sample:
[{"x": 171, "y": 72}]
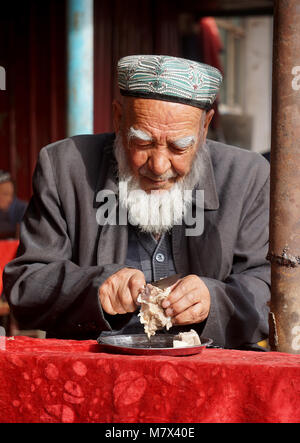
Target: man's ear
[
  {"x": 208, "y": 117},
  {"x": 117, "y": 115}
]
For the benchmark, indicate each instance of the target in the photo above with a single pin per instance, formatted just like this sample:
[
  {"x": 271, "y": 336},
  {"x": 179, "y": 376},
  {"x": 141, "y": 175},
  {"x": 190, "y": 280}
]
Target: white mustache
[{"x": 144, "y": 172}]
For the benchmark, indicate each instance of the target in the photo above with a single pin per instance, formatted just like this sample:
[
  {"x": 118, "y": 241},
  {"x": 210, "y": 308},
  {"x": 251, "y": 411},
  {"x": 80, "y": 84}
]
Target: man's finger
[
  {"x": 183, "y": 287},
  {"x": 194, "y": 314},
  {"x": 183, "y": 303},
  {"x": 135, "y": 284},
  {"x": 177, "y": 292},
  {"x": 116, "y": 302},
  {"x": 106, "y": 302},
  {"x": 127, "y": 300}
]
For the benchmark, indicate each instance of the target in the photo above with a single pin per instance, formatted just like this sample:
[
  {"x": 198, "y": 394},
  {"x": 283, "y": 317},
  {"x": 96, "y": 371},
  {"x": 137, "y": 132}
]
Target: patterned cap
[{"x": 174, "y": 79}]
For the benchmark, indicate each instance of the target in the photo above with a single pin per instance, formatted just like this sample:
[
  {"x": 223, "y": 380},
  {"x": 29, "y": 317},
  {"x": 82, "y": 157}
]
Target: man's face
[
  {"x": 160, "y": 139},
  {"x": 6, "y": 195}
]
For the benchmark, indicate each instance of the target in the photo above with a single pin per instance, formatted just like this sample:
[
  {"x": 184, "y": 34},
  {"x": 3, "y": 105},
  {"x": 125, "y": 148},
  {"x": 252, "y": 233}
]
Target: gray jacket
[{"x": 64, "y": 255}]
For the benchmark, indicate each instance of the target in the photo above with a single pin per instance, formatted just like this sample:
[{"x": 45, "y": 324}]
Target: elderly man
[{"x": 79, "y": 270}]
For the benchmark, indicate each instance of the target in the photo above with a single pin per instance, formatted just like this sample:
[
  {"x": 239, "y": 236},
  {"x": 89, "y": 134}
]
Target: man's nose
[{"x": 159, "y": 163}]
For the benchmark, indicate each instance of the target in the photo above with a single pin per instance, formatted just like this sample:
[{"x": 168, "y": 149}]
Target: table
[
  {"x": 8, "y": 250},
  {"x": 47, "y": 380}
]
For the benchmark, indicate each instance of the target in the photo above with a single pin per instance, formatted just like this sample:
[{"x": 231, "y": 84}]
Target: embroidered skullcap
[
  {"x": 5, "y": 176},
  {"x": 168, "y": 78}
]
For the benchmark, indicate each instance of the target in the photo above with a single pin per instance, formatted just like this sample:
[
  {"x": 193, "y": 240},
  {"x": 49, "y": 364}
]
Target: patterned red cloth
[
  {"x": 8, "y": 249},
  {"x": 68, "y": 381}
]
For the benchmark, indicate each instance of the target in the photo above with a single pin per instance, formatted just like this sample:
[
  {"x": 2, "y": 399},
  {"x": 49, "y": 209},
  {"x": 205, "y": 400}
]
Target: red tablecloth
[
  {"x": 8, "y": 249},
  {"x": 67, "y": 381}
]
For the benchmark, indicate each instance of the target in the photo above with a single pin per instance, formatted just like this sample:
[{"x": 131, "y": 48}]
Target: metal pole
[
  {"x": 80, "y": 27},
  {"x": 284, "y": 250}
]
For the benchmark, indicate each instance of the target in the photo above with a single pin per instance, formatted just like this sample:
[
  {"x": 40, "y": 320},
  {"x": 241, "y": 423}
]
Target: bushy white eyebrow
[
  {"x": 181, "y": 143},
  {"x": 184, "y": 142},
  {"x": 138, "y": 133}
]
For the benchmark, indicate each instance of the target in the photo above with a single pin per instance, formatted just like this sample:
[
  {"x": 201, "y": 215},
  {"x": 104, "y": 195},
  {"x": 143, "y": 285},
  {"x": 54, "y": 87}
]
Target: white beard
[{"x": 155, "y": 212}]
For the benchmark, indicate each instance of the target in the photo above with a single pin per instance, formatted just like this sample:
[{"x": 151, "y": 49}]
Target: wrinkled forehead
[{"x": 156, "y": 115}]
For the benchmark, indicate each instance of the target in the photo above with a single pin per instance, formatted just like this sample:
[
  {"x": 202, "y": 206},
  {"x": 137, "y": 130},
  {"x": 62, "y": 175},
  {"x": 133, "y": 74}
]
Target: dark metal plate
[{"x": 138, "y": 344}]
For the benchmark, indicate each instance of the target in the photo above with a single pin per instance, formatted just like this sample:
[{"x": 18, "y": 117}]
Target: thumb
[{"x": 136, "y": 283}]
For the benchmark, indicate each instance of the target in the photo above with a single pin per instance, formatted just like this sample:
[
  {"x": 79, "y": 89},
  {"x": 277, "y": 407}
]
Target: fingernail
[
  {"x": 166, "y": 304},
  {"x": 169, "y": 312}
]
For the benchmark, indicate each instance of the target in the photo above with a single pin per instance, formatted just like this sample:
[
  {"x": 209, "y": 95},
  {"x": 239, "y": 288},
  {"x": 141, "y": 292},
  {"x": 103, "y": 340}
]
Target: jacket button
[{"x": 160, "y": 257}]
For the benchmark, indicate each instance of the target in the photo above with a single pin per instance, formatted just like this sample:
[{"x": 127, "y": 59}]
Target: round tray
[{"x": 138, "y": 344}]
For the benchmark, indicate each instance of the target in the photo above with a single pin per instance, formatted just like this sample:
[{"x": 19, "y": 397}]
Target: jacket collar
[
  {"x": 108, "y": 176},
  {"x": 207, "y": 182}
]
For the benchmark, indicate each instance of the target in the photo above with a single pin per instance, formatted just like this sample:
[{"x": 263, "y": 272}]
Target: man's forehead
[
  {"x": 139, "y": 113},
  {"x": 137, "y": 103}
]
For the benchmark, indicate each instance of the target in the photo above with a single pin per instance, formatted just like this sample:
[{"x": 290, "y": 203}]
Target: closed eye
[
  {"x": 180, "y": 150},
  {"x": 141, "y": 144}
]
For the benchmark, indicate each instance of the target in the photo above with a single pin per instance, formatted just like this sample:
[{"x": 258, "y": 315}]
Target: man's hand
[
  {"x": 119, "y": 292},
  {"x": 188, "y": 302}
]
